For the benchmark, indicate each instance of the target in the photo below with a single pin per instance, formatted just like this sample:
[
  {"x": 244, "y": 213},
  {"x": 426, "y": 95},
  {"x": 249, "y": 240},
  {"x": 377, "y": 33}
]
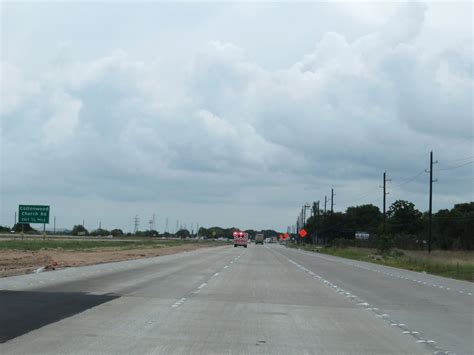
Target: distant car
[{"x": 12, "y": 231}]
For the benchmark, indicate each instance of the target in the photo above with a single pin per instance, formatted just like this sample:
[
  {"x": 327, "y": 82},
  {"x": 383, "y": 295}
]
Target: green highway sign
[{"x": 33, "y": 214}]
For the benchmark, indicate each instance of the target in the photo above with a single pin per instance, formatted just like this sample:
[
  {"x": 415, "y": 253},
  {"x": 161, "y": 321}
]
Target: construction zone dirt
[{"x": 17, "y": 262}]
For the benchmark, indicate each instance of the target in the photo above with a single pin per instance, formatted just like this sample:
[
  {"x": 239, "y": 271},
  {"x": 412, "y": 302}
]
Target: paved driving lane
[{"x": 216, "y": 301}]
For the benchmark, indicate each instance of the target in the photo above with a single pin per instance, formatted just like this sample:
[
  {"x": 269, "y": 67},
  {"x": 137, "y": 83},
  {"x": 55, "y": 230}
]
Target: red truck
[{"x": 240, "y": 239}]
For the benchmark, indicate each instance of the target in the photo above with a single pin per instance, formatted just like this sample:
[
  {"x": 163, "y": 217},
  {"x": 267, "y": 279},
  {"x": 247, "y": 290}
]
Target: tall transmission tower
[
  {"x": 136, "y": 223},
  {"x": 152, "y": 222},
  {"x": 166, "y": 226},
  {"x": 332, "y": 200}
]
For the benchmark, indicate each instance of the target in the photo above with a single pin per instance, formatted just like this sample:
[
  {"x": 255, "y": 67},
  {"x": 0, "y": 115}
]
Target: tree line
[
  {"x": 208, "y": 233},
  {"x": 403, "y": 226},
  {"x": 227, "y": 233}
]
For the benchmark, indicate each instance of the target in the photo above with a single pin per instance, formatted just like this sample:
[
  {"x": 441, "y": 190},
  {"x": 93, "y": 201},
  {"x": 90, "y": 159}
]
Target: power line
[
  {"x": 462, "y": 179},
  {"x": 455, "y": 167},
  {"x": 460, "y": 159},
  {"x": 409, "y": 179}
]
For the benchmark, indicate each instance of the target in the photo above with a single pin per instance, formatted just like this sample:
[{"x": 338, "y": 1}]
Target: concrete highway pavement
[
  {"x": 430, "y": 308},
  {"x": 225, "y": 300}
]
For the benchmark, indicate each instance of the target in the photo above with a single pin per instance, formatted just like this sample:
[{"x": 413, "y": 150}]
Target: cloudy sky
[{"x": 232, "y": 114}]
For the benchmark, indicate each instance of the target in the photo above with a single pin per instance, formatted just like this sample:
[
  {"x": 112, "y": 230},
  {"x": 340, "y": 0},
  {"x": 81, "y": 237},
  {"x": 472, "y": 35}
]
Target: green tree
[
  {"x": 79, "y": 230},
  {"x": 25, "y": 227},
  {"x": 183, "y": 233},
  {"x": 365, "y": 218},
  {"x": 454, "y": 229},
  {"x": 404, "y": 218},
  {"x": 116, "y": 232},
  {"x": 4, "y": 229},
  {"x": 328, "y": 226},
  {"x": 100, "y": 232},
  {"x": 147, "y": 233}
]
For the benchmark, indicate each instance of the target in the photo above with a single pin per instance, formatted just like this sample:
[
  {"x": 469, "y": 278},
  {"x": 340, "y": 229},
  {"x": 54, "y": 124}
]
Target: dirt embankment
[{"x": 22, "y": 262}]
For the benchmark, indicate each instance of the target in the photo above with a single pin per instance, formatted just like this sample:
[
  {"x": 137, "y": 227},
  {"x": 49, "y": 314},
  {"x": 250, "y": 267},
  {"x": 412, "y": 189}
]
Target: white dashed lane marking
[
  {"x": 383, "y": 272},
  {"x": 384, "y": 316}
]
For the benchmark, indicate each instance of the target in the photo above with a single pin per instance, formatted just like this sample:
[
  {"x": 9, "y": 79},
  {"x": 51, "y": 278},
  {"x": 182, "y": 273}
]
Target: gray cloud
[{"x": 224, "y": 129}]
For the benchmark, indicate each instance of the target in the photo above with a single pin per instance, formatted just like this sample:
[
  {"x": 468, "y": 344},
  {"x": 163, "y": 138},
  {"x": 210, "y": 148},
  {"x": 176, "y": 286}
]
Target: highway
[{"x": 260, "y": 300}]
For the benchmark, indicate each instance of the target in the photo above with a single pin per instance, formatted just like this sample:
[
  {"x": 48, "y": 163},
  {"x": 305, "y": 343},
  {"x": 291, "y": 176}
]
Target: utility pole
[
  {"x": 100, "y": 225},
  {"x": 166, "y": 228},
  {"x": 14, "y": 221},
  {"x": 306, "y": 206},
  {"x": 430, "y": 213},
  {"x": 325, "y": 203},
  {"x": 385, "y": 193},
  {"x": 303, "y": 213},
  {"x": 332, "y": 200},
  {"x": 54, "y": 225},
  {"x": 317, "y": 222}
]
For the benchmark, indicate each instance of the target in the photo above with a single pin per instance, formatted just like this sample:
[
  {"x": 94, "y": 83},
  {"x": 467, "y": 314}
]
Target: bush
[
  {"x": 407, "y": 241},
  {"x": 359, "y": 243},
  {"x": 116, "y": 232},
  {"x": 384, "y": 244}
]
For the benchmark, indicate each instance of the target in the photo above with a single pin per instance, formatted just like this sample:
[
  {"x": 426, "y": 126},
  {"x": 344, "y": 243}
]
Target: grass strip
[{"x": 443, "y": 264}]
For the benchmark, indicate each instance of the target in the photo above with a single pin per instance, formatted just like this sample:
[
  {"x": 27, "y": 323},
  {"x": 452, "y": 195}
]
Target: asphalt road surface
[{"x": 225, "y": 300}]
